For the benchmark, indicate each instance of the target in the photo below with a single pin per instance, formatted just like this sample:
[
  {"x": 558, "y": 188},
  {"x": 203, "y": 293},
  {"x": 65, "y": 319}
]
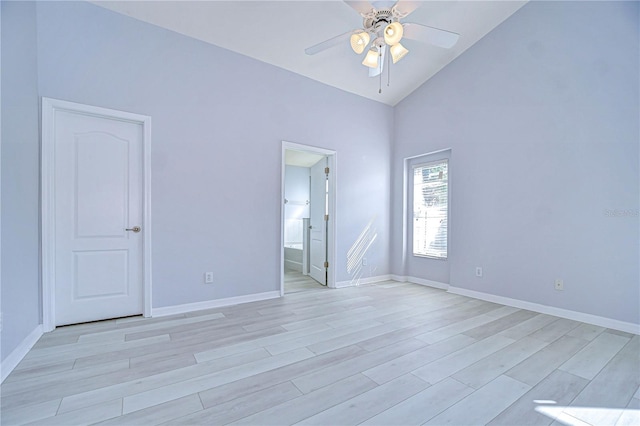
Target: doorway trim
[
  {"x": 47, "y": 199},
  {"x": 331, "y": 234}
]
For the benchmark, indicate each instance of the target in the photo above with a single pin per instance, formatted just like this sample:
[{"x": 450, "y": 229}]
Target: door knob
[{"x": 134, "y": 229}]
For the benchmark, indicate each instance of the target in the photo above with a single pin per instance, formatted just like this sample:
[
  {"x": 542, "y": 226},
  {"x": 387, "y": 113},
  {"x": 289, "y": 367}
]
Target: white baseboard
[
  {"x": 521, "y": 304},
  {"x": 293, "y": 265},
  {"x": 217, "y": 303},
  {"x": 18, "y": 353},
  {"x": 363, "y": 281},
  {"x": 550, "y": 310},
  {"x": 428, "y": 283},
  {"x": 399, "y": 278},
  {"x": 420, "y": 281}
]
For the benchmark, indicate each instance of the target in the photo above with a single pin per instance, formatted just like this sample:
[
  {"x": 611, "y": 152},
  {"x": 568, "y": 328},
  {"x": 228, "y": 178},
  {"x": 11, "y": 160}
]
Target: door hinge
[
  {"x": 326, "y": 217},
  {"x": 326, "y": 264},
  {"x": 326, "y": 170}
]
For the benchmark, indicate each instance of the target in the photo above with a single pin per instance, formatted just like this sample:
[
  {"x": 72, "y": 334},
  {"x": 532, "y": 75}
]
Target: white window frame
[{"x": 417, "y": 162}]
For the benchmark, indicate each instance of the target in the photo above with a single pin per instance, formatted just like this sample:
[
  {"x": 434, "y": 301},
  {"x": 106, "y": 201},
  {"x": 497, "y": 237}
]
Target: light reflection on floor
[{"x": 579, "y": 416}]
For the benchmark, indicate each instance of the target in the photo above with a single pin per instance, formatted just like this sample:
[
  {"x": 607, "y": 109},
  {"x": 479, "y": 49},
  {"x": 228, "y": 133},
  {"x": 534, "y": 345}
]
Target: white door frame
[
  {"x": 49, "y": 108},
  {"x": 333, "y": 180}
]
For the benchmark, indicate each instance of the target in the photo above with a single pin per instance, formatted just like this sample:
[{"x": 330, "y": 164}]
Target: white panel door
[
  {"x": 98, "y": 196},
  {"x": 317, "y": 211}
]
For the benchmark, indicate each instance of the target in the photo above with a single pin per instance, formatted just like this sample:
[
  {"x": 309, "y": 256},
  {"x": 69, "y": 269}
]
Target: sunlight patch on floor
[{"x": 579, "y": 416}]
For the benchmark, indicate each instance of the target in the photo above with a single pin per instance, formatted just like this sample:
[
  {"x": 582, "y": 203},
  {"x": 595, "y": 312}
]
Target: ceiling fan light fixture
[
  {"x": 371, "y": 60},
  {"x": 393, "y": 33},
  {"x": 398, "y": 52},
  {"x": 359, "y": 41}
]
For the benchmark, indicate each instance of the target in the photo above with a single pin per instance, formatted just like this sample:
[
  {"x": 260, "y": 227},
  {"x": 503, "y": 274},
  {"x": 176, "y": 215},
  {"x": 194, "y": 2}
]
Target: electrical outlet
[
  {"x": 479, "y": 271},
  {"x": 364, "y": 261},
  {"x": 559, "y": 285},
  {"x": 208, "y": 277}
]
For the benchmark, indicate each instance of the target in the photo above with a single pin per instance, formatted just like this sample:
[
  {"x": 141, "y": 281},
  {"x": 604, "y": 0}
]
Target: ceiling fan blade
[
  {"x": 383, "y": 4},
  {"x": 374, "y": 72},
  {"x": 342, "y": 38},
  {"x": 426, "y": 34},
  {"x": 362, "y": 7},
  {"x": 406, "y": 7}
]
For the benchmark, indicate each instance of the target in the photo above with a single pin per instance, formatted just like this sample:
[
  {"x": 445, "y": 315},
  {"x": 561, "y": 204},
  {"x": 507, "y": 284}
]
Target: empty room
[{"x": 320, "y": 212}]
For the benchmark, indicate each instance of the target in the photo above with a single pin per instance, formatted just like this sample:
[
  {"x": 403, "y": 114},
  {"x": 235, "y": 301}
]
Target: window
[{"x": 430, "y": 209}]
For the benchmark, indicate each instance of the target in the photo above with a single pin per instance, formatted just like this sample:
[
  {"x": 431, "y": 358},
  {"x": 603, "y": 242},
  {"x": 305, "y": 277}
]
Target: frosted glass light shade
[
  {"x": 393, "y": 33},
  {"x": 359, "y": 41},
  {"x": 398, "y": 52},
  {"x": 371, "y": 60}
]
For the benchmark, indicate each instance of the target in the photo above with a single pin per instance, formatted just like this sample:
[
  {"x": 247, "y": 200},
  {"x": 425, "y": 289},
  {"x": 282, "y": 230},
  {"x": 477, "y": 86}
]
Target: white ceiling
[
  {"x": 277, "y": 32},
  {"x": 301, "y": 158}
]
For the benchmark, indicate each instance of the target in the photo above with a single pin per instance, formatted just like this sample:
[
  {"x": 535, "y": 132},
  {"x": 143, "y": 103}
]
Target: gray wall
[
  {"x": 20, "y": 175},
  {"x": 542, "y": 118},
  {"x": 296, "y": 188},
  {"x": 218, "y": 122},
  {"x": 296, "y": 191}
]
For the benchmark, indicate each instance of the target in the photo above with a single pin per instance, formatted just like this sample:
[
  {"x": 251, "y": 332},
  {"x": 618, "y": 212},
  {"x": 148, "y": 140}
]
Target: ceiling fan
[{"x": 382, "y": 30}]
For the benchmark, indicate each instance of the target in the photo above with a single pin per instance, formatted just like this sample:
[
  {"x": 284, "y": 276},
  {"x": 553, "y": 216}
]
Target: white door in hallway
[
  {"x": 317, "y": 211},
  {"x": 97, "y": 217}
]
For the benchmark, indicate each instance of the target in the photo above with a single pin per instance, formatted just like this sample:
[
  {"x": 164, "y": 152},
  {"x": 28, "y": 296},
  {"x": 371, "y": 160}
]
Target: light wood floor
[
  {"x": 295, "y": 282},
  {"x": 386, "y": 354}
]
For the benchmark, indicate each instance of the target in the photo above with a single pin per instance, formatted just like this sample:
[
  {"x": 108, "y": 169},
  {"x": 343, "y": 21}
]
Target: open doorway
[{"x": 308, "y": 206}]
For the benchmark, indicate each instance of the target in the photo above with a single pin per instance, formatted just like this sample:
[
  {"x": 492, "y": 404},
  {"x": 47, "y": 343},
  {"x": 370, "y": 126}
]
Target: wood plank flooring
[
  {"x": 383, "y": 354},
  {"x": 295, "y": 282}
]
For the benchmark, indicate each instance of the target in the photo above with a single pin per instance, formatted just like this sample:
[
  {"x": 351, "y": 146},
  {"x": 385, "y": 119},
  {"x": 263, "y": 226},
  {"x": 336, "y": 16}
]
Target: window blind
[{"x": 430, "y": 209}]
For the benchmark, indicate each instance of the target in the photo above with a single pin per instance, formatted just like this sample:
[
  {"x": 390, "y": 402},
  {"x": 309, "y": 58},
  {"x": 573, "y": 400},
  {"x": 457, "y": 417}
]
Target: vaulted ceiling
[{"x": 277, "y": 32}]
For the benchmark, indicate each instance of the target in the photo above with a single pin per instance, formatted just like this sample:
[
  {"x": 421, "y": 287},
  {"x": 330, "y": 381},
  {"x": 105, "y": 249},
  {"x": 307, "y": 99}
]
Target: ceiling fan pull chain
[
  {"x": 380, "y": 64},
  {"x": 388, "y": 71}
]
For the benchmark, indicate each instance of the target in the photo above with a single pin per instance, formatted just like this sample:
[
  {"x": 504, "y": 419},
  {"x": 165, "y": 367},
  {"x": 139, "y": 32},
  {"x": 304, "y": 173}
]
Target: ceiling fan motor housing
[{"x": 375, "y": 21}]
